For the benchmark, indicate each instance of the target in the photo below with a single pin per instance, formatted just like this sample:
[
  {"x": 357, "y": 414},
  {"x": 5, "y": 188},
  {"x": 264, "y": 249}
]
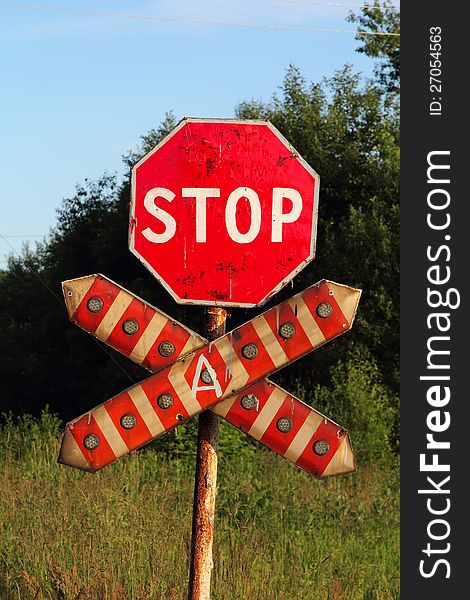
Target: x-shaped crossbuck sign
[{"x": 192, "y": 375}]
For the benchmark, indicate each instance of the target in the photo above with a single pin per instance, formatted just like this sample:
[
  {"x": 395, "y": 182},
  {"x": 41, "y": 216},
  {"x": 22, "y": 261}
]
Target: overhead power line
[
  {"x": 340, "y": 4},
  {"x": 273, "y": 27}
]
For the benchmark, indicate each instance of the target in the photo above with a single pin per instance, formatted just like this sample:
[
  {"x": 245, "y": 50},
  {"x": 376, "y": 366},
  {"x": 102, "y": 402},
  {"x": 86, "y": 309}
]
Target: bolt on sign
[
  {"x": 192, "y": 375},
  {"x": 223, "y": 212}
]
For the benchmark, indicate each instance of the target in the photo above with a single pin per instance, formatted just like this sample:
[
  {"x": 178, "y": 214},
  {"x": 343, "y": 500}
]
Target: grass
[{"x": 124, "y": 533}]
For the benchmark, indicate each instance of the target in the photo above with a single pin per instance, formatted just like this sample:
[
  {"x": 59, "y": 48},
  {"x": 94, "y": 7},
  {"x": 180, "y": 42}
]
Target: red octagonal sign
[{"x": 223, "y": 212}]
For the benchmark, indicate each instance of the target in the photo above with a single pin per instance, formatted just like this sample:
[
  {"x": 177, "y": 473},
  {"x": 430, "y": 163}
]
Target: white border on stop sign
[{"x": 289, "y": 146}]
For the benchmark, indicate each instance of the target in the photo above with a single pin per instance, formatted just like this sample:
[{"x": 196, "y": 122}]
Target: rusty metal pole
[{"x": 205, "y": 486}]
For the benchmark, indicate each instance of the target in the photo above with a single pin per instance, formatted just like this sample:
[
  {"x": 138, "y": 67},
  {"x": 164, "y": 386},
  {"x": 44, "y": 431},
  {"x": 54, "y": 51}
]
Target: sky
[{"x": 79, "y": 87}]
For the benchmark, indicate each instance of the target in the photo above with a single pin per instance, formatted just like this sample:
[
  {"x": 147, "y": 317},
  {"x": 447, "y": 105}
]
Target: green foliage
[
  {"x": 348, "y": 131},
  {"x": 362, "y": 404},
  {"x": 25, "y": 441},
  {"x": 349, "y": 134},
  {"x": 124, "y": 533},
  {"x": 181, "y": 442},
  {"x": 381, "y": 17},
  {"x": 356, "y": 398},
  {"x": 151, "y": 139},
  {"x": 49, "y": 361}
]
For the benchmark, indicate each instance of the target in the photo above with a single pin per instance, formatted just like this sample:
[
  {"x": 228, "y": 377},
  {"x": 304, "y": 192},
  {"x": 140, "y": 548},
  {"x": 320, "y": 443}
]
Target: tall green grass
[{"x": 124, "y": 533}]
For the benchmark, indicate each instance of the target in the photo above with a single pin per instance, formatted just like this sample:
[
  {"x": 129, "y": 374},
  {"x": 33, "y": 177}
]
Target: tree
[
  {"x": 351, "y": 137},
  {"x": 376, "y": 18},
  {"x": 47, "y": 361},
  {"x": 349, "y": 132},
  {"x": 151, "y": 139}
]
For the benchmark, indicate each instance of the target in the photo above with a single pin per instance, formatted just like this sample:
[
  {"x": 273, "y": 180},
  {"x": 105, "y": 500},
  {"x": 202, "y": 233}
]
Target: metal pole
[{"x": 205, "y": 486}]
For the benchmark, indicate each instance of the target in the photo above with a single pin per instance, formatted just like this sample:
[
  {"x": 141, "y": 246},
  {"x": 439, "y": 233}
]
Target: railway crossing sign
[
  {"x": 223, "y": 212},
  {"x": 192, "y": 375}
]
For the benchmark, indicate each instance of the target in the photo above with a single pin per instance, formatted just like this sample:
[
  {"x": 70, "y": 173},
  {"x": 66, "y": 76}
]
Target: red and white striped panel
[
  {"x": 231, "y": 363},
  {"x": 263, "y": 396},
  {"x": 291, "y": 428},
  {"x": 102, "y": 307}
]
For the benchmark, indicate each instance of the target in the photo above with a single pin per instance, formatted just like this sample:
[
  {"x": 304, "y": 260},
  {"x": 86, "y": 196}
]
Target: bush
[{"x": 360, "y": 402}]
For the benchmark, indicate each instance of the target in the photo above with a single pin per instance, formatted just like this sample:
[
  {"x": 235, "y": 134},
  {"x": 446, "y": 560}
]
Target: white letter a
[{"x": 215, "y": 385}]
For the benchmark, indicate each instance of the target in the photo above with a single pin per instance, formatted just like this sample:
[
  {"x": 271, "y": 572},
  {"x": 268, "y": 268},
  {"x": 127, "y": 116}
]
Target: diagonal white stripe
[
  {"x": 146, "y": 410},
  {"x": 270, "y": 342},
  {"x": 194, "y": 342},
  {"x": 176, "y": 375},
  {"x": 115, "y": 312},
  {"x": 234, "y": 369},
  {"x": 105, "y": 423},
  {"x": 306, "y": 320},
  {"x": 267, "y": 413},
  {"x": 147, "y": 339},
  {"x": 303, "y": 436},
  {"x": 223, "y": 407}
]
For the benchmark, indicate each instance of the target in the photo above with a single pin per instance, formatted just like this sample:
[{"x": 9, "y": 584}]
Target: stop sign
[{"x": 223, "y": 212}]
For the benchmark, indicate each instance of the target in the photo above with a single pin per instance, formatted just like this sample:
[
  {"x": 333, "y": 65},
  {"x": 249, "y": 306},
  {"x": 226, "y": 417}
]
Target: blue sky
[{"x": 78, "y": 90}]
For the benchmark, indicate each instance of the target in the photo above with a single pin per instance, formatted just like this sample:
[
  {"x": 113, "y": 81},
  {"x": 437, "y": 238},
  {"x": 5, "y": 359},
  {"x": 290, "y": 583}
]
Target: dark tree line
[{"x": 348, "y": 130}]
